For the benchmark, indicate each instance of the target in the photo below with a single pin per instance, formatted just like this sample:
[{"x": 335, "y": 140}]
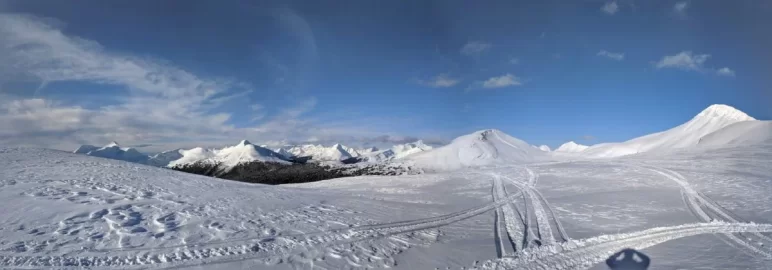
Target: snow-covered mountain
[
  {"x": 113, "y": 151},
  {"x": 398, "y": 151},
  {"x": 688, "y": 134},
  {"x": 544, "y": 148},
  {"x": 319, "y": 152},
  {"x": 484, "y": 147},
  {"x": 229, "y": 157},
  {"x": 164, "y": 158},
  {"x": 571, "y": 147},
  {"x": 745, "y": 133}
]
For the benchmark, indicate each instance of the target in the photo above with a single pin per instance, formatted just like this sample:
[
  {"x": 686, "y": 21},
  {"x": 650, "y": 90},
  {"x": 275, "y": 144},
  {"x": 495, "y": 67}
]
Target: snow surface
[
  {"x": 571, "y": 147},
  {"x": 164, "y": 158},
  {"x": 544, "y": 148},
  {"x": 688, "y": 134},
  {"x": 504, "y": 205},
  {"x": 685, "y": 210},
  {"x": 741, "y": 133},
  {"x": 484, "y": 147}
]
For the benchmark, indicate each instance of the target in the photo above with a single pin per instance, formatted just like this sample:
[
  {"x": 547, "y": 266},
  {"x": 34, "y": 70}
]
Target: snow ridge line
[{"x": 581, "y": 254}]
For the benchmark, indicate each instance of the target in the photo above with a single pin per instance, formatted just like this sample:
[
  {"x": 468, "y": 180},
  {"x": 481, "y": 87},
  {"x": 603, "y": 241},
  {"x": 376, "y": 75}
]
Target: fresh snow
[
  {"x": 319, "y": 152},
  {"x": 544, "y": 148},
  {"x": 487, "y": 201},
  {"x": 484, "y": 147},
  {"x": 688, "y": 134},
  {"x": 740, "y": 133},
  {"x": 571, "y": 147},
  {"x": 697, "y": 208}
]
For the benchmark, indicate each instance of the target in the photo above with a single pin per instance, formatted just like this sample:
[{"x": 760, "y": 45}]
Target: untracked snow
[
  {"x": 484, "y": 147},
  {"x": 571, "y": 147},
  {"x": 740, "y": 133},
  {"x": 688, "y": 134}
]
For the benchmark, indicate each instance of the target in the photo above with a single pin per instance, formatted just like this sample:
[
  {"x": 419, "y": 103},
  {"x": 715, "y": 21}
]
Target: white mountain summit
[{"x": 710, "y": 120}]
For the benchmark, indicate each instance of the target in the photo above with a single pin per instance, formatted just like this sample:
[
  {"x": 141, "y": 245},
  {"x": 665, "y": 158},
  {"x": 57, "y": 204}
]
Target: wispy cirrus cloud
[
  {"x": 155, "y": 101},
  {"x": 611, "y": 55},
  {"x": 502, "y": 81},
  {"x": 440, "y": 81},
  {"x": 475, "y": 48}
]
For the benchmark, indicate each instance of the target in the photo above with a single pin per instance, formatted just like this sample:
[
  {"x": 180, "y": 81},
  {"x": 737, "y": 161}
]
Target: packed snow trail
[
  {"x": 513, "y": 229},
  {"x": 582, "y": 254},
  {"x": 695, "y": 201},
  {"x": 542, "y": 221}
]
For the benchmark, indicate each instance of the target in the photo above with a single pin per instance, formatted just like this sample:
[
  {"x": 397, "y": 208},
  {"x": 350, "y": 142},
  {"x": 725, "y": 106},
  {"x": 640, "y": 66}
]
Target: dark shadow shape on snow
[{"x": 628, "y": 259}]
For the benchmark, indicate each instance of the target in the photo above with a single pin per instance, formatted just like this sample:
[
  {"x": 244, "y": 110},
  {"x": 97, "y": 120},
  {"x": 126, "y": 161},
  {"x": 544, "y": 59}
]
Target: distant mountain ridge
[{"x": 717, "y": 125}]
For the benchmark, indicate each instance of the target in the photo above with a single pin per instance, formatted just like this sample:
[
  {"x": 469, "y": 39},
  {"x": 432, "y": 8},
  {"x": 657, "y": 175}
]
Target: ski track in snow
[
  {"x": 706, "y": 210},
  {"x": 582, "y": 254}
]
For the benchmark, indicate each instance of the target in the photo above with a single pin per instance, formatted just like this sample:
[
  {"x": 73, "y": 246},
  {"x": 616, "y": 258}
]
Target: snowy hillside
[
  {"x": 164, "y": 158},
  {"x": 741, "y": 133},
  {"x": 484, "y": 147},
  {"x": 544, "y": 148},
  {"x": 688, "y": 134},
  {"x": 113, "y": 151},
  {"x": 571, "y": 147},
  {"x": 685, "y": 211},
  {"x": 396, "y": 152}
]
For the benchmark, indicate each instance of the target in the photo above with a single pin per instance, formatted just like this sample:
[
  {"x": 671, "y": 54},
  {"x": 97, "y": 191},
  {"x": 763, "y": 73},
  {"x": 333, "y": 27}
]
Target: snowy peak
[
  {"x": 481, "y": 148},
  {"x": 244, "y": 142},
  {"x": 724, "y": 112},
  {"x": 571, "y": 147},
  {"x": 111, "y": 144}
]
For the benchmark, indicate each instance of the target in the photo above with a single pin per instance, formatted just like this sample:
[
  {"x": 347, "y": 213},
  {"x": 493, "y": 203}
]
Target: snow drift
[{"x": 484, "y": 147}]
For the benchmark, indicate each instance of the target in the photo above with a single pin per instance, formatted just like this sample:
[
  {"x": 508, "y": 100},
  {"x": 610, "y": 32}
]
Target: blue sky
[{"x": 185, "y": 73}]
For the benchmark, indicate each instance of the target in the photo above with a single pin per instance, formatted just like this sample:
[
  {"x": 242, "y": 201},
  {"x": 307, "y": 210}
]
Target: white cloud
[
  {"x": 155, "y": 102},
  {"x": 514, "y": 61},
  {"x": 505, "y": 80},
  {"x": 610, "y": 8},
  {"x": 474, "y": 48},
  {"x": 440, "y": 81},
  {"x": 611, "y": 55},
  {"x": 680, "y": 7},
  {"x": 725, "y": 71},
  {"x": 685, "y": 60}
]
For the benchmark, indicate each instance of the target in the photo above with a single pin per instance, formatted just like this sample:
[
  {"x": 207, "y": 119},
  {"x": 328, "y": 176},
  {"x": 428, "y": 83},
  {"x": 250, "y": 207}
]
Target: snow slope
[
  {"x": 544, "y": 148},
  {"x": 484, "y": 147},
  {"x": 230, "y": 156},
  {"x": 113, "y": 151},
  {"x": 713, "y": 118},
  {"x": 571, "y": 147},
  {"x": 741, "y": 133},
  {"x": 164, "y": 158},
  {"x": 67, "y": 211},
  {"x": 319, "y": 152}
]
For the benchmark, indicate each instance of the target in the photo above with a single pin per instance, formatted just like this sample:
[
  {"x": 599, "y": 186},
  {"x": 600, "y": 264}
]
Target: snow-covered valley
[{"x": 487, "y": 201}]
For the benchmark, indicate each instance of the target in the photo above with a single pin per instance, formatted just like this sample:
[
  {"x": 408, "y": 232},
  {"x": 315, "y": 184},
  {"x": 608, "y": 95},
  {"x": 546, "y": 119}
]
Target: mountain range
[{"x": 716, "y": 126}]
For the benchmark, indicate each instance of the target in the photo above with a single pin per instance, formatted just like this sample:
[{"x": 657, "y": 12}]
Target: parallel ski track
[
  {"x": 497, "y": 220},
  {"x": 513, "y": 228},
  {"x": 582, "y": 254},
  {"x": 695, "y": 201},
  {"x": 245, "y": 248}
]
